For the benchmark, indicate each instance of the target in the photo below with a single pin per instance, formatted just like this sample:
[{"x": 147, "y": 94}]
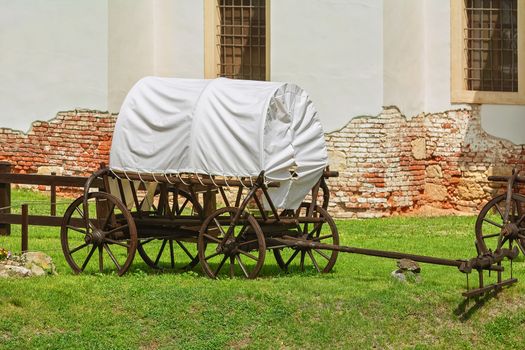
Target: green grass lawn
[{"x": 356, "y": 306}]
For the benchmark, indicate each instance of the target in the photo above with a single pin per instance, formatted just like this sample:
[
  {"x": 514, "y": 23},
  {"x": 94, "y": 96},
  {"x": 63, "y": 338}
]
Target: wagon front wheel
[
  {"x": 105, "y": 242},
  {"x": 229, "y": 247},
  {"x": 321, "y": 230}
]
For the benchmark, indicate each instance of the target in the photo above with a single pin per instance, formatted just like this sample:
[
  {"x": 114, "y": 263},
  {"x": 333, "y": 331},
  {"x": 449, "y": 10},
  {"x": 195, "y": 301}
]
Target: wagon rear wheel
[
  {"x": 494, "y": 232},
  {"x": 230, "y": 248},
  {"x": 162, "y": 253},
  {"x": 107, "y": 242},
  {"x": 320, "y": 260}
]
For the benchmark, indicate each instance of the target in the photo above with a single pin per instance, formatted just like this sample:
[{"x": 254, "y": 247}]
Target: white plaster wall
[
  {"x": 403, "y": 55},
  {"x": 334, "y": 50},
  {"x": 436, "y": 25},
  {"x": 54, "y": 57},
  {"x": 507, "y": 122},
  {"x": 153, "y": 37},
  {"x": 187, "y": 41},
  {"x": 417, "y": 56},
  {"x": 131, "y": 47}
]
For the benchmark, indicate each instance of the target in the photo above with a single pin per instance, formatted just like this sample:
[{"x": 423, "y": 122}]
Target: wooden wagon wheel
[
  {"x": 224, "y": 242},
  {"x": 493, "y": 231},
  {"x": 111, "y": 231},
  {"x": 159, "y": 253},
  {"x": 324, "y": 231}
]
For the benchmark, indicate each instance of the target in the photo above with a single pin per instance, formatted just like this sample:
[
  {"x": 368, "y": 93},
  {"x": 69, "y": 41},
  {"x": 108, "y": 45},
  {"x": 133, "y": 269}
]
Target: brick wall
[
  {"x": 75, "y": 142},
  {"x": 430, "y": 164},
  {"x": 389, "y": 165}
]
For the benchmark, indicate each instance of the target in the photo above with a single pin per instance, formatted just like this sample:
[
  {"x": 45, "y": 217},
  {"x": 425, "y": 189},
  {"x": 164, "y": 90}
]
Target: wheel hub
[
  {"x": 95, "y": 237},
  {"x": 510, "y": 230},
  {"x": 228, "y": 248}
]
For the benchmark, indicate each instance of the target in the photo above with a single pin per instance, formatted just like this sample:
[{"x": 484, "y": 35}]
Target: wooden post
[
  {"x": 5, "y": 198},
  {"x": 25, "y": 228},
  {"x": 210, "y": 201},
  {"x": 53, "y": 197}
]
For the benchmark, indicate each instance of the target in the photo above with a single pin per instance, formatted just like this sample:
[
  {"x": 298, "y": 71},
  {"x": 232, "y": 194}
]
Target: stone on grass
[
  {"x": 39, "y": 263},
  {"x": 13, "y": 271},
  {"x": 408, "y": 271},
  {"x": 27, "y": 265},
  {"x": 408, "y": 265}
]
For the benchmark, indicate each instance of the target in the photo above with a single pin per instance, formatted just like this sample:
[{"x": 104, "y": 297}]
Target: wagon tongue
[{"x": 490, "y": 261}]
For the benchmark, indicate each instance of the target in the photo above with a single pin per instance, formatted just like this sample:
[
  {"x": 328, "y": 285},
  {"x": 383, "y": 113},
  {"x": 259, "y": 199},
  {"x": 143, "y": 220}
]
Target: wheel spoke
[
  {"x": 251, "y": 256},
  {"x": 505, "y": 239},
  {"x": 147, "y": 241},
  {"x": 181, "y": 209},
  {"x": 220, "y": 265},
  {"x": 110, "y": 253},
  {"x": 112, "y": 241},
  {"x": 322, "y": 254},
  {"x": 499, "y": 210},
  {"x": 247, "y": 242},
  {"x": 81, "y": 213},
  {"x": 320, "y": 238},
  {"x": 161, "y": 250},
  {"x": 492, "y": 222},
  {"x": 521, "y": 245},
  {"x": 76, "y": 229},
  {"x": 78, "y": 248},
  {"x": 172, "y": 258},
  {"x": 185, "y": 250},
  {"x": 88, "y": 257},
  {"x": 313, "y": 260},
  {"x": 243, "y": 268},
  {"x": 210, "y": 237},
  {"x": 241, "y": 232},
  {"x": 303, "y": 254},
  {"x": 217, "y": 223},
  {"x": 491, "y": 235},
  {"x": 232, "y": 266},
  {"x": 211, "y": 256},
  {"x": 100, "y": 259},
  {"x": 291, "y": 258},
  {"x": 316, "y": 229},
  {"x": 116, "y": 229},
  {"x": 520, "y": 220}
]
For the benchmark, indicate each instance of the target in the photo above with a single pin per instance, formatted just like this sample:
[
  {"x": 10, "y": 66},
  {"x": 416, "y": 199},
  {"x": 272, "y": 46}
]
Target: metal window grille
[
  {"x": 241, "y": 39},
  {"x": 491, "y": 45}
]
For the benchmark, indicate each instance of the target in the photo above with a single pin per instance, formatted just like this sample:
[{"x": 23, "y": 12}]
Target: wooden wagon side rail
[{"x": 46, "y": 180}]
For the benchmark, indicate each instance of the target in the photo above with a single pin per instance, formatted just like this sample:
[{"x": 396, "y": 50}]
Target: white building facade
[{"x": 353, "y": 56}]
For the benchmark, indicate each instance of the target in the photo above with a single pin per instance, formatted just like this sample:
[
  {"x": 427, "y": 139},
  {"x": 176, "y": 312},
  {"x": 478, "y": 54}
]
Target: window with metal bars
[
  {"x": 241, "y": 39},
  {"x": 491, "y": 47}
]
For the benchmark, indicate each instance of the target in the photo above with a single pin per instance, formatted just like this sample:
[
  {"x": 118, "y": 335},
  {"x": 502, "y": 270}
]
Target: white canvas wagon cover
[{"x": 222, "y": 127}]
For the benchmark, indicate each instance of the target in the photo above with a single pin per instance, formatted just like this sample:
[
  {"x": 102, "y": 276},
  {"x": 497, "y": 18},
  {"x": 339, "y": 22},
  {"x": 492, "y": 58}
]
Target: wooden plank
[
  {"x": 47, "y": 180},
  {"x": 38, "y": 220},
  {"x": 5, "y": 197}
]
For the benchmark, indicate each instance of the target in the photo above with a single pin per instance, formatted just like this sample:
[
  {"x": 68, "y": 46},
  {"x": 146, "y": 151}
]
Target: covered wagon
[{"x": 211, "y": 171}]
